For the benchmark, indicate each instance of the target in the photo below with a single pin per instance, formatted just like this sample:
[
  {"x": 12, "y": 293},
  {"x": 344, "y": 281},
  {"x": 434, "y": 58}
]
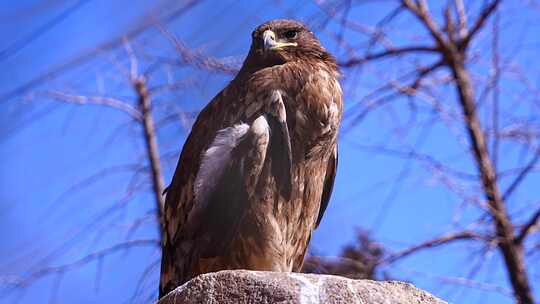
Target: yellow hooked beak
[{"x": 271, "y": 44}]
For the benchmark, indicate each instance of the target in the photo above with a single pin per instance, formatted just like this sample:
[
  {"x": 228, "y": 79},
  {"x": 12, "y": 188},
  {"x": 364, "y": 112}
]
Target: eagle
[{"x": 257, "y": 170}]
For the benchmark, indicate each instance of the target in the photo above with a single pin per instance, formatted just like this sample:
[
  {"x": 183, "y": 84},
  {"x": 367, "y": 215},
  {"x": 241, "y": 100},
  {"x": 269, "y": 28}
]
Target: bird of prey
[{"x": 257, "y": 170}]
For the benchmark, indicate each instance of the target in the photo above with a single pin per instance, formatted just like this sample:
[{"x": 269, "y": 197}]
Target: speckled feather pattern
[{"x": 249, "y": 223}]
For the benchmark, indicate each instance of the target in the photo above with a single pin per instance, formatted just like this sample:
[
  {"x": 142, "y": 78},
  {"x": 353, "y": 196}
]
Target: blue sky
[{"x": 48, "y": 148}]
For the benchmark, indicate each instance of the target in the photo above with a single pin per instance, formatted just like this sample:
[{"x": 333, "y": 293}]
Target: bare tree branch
[
  {"x": 33, "y": 276},
  {"x": 87, "y": 55},
  {"x": 527, "y": 228},
  {"x": 462, "y": 19},
  {"x": 479, "y": 23},
  {"x": 13, "y": 48},
  {"x": 196, "y": 59},
  {"x": 461, "y": 281},
  {"x": 454, "y": 55},
  {"x": 391, "y": 52},
  {"x": 522, "y": 175},
  {"x": 96, "y": 100},
  {"x": 438, "y": 241},
  {"x": 420, "y": 10},
  {"x": 152, "y": 151}
]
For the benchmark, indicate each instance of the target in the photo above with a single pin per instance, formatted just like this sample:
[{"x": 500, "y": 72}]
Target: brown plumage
[{"x": 256, "y": 173}]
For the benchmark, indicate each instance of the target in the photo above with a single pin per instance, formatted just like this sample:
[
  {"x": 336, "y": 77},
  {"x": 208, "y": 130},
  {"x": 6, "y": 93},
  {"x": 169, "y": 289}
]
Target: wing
[
  {"x": 218, "y": 114},
  {"x": 230, "y": 170},
  {"x": 280, "y": 144},
  {"x": 226, "y": 180},
  {"x": 330, "y": 176},
  {"x": 204, "y": 184},
  {"x": 234, "y": 160}
]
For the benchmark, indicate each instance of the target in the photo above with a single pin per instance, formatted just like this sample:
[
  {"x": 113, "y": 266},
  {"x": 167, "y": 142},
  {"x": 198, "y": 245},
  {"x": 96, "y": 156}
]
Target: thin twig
[
  {"x": 527, "y": 228},
  {"x": 435, "y": 242}
]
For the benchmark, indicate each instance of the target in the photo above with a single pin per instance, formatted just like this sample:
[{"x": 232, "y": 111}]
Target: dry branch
[
  {"x": 436, "y": 242},
  {"x": 88, "y": 55},
  {"x": 152, "y": 151},
  {"x": 93, "y": 256},
  {"x": 452, "y": 42}
]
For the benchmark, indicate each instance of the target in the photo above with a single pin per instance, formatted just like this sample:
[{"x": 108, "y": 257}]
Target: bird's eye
[{"x": 291, "y": 34}]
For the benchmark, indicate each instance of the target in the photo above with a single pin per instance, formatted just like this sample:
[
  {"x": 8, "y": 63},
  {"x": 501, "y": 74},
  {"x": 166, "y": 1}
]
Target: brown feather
[
  {"x": 329, "y": 179},
  {"x": 263, "y": 208}
]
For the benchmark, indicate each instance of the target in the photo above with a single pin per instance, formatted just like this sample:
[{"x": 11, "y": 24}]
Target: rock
[{"x": 242, "y": 286}]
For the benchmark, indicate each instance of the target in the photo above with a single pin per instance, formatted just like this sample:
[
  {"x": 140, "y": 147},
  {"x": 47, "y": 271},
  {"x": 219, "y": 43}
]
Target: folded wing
[{"x": 228, "y": 177}]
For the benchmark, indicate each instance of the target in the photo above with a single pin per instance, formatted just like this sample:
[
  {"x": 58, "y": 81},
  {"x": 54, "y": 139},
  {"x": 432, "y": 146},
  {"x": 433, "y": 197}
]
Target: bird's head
[{"x": 280, "y": 41}]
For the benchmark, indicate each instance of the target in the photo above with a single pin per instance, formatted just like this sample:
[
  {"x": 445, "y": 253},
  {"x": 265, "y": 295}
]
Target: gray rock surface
[{"x": 242, "y": 286}]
